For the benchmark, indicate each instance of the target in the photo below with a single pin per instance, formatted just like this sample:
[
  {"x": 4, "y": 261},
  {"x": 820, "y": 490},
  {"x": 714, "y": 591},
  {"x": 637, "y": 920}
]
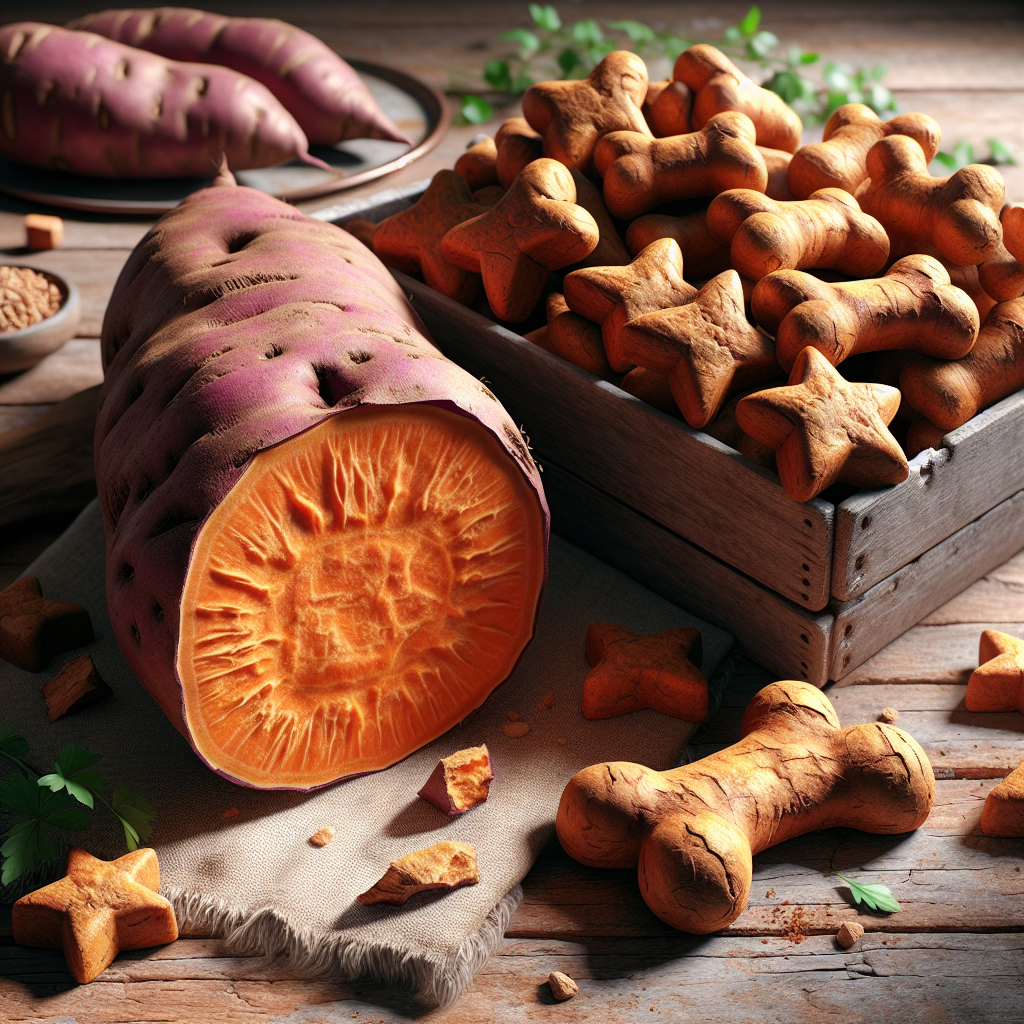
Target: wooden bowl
[{"x": 23, "y": 348}]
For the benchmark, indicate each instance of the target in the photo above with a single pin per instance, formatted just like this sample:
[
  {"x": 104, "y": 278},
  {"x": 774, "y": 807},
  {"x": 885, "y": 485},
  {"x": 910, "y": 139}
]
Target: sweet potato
[
  {"x": 325, "y": 542},
  {"x": 75, "y": 101},
  {"x": 322, "y": 92}
]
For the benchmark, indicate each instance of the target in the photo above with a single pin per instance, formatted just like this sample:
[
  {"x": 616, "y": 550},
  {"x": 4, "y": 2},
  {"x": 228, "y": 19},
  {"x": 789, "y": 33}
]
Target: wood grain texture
[{"x": 72, "y": 368}]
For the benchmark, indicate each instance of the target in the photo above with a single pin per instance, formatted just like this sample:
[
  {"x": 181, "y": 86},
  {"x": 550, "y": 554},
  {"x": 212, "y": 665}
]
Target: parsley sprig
[{"x": 872, "y": 894}]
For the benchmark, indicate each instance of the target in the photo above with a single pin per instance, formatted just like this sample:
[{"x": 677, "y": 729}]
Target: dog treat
[
  {"x": 718, "y": 85},
  {"x": 825, "y": 429},
  {"x": 1003, "y": 813},
  {"x": 667, "y": 108},
  {"x": 610, "y": 250},
  {"x": 573, "y": 115},
  {"x": 363, "y": 229},
  {"x": 706, "y": 347},
  {"x": 516, "y": 730},
  {"x": 517, "y": 145},
  {"x": 321, "y": 837},
  {"x": 889, "y": 715},
  {"x": 776, "y": 162},
  {"x": 840, "y": 159},
  {"x": 827, "y": 231},
  {"x": 997, "y": 684},
  {"x": 77, "y": 685},
  {"x": 488, "y": 195},
  {"x": 478, "y": 166},
  {"x": 43, "y": 232},
  {"x": 922, "y": 434},
  {"x": 959, "y": 215},
  {"x": 26, "y": 297},
  {"x": 726, "y": 429},
  {"x": 641, "y": 172},
  {"x": 441, "y": 866},
  {"x": 849, "y": 934},
  {"x": 1002, "y": 276},
  {"x": 651, "y": 387},
  {"x": 534, "y": 228},
  {"x": 460, "y": 781},
  {"x": 703, "y": 257},
  {"x": 562, "y": 986},
  {"x": 611, "y": 296},
  {"x": 912, "y": 307},
  {"x": 691, "y": 832},
  {"x": 98, "y": 909},
  {"x": 34, "y": 629},
  {"x": 575, "y": 338},
  {"x": 411, "y": 239},
  {"x": 629, "y": 672}
]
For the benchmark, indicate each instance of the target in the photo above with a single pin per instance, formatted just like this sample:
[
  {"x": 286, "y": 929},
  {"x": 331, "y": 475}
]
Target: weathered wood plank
[
  {"x": 14, "y": 417},
  {"x": 81, "y": 231},
  {"x": 72, "y": 368},
  {"x": 979, "y": 465},
  {"x": 997, "y": 597}
]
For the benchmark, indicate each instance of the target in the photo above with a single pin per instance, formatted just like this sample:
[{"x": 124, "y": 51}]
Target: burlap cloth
[{"x": 255, "y": 878}]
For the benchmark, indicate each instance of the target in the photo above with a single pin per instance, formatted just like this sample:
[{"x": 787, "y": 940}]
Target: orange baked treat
[
  {"x": 34, "y": 629},
  {"x": 724, "y": 428},
  {"x": 630, "y": 672},
  {"x": 1003, "y": 813},
  {"x": 997, "y": 684},
  {"x": 534, "y": 228},
  {"x": 922, "y": 434},
  {"x": 703, "y": 256},
  {"x": 611, "y": 250},
  {"x": 641, "y": 173},
  {"x": 488, "y": 195},
  {"x": 363, "y": 229},
  {"x": 460, "y": 781},
  {"x": 98, "y": 909},
  {"x": 573, "y": 115},
  {"x": 718, "y": 85},
  {"x": 959, "y": 215},
  {"x": 441, "y": 866},
  {"x": 575, "y": 338},
  {"x": 912, "y": 307},
  {"x": 950, "y": 393},
  {"x": 667, "y": 108},
  {"x": 651, "y": 387},
  {"x": 611, "y": 296},
  {"x": 1002, "y": 276},
  {"x": 840, "y": 159},
  {"x": 478, "y": 166},
  {"x": 518, "y": 145},
  {"x": 411, "y": 239},
  {"x": 776, "y": 161},
  {"x": 706, "y": 347},
  {"x": 825, "y": 429}
]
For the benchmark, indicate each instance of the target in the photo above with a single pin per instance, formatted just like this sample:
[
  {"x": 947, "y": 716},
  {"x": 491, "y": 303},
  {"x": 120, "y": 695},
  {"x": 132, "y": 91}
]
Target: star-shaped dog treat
[
  {"x": 411, "y": 239},
  {"x": 707, "y": 348},
  {"x": 534, "y": 228},
  {"x": 98, "y": 909},
  {"x": 997, "y": 684},
  {"x": 826, "y": 429},
  {"x": 630, "y": 672},
  {"x": 1003, "y": 813},
  {"x": 572, "y": 116},
  {"x": 611, "y": 296}
]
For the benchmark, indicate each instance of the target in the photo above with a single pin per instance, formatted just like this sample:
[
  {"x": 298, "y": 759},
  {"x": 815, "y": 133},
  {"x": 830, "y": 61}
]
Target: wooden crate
[{"x": 810, "y": 590}]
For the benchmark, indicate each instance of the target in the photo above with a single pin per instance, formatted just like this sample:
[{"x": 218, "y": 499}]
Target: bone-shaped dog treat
[
  {"x": 825, "y": 429},
  {"x": 640, "y": 172},
  {"x": 478, "y": 166},
  {"x": 776, "y": 162},
  {"x": 1003, "y": 275},
  {"x": 575, "y": 338},
  {"x": 610, "y": 251},
  {"x": 703, "y": 256},
  {"x": 840, "y": 160},
  {"x": 612, "y": 295},
  {"x": 518, "y": 145},
  {"x": 959, "y": 215},
  {"x": 667, "y": 108},
  {"x": 719, "y": 85},
  {"x": 912, "y": 307},
  {"x": 706, "y": 347},
  {"x": 534, "y": 228},
  {"x": 692, "y": 832},
  {"x": 411, "y": 239},
  {"x": 950, "y": 393},
  {"x": 827, "y": 231},
  {"x": 573, "y": 115},
  {"x": 997, "y": 684}
]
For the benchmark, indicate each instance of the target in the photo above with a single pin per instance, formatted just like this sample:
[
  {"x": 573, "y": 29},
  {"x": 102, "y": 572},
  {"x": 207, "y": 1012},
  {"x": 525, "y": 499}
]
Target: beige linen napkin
[{"x": 254, "y": 876}]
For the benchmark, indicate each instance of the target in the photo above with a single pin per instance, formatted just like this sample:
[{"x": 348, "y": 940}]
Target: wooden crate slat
[{"x": 978, "y": 465}]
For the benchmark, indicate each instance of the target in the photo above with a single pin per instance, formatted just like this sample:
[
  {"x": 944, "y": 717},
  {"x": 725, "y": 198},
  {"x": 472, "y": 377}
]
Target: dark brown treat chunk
[
  {"x": 34, "y": 629},
  {"x": 77, "y": 685}
]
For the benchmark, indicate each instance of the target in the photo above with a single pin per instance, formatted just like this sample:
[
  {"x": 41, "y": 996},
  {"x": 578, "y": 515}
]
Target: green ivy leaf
[
  {"x": 136, "y": 815},
  {"x": 545, "y": 17},
  {"x": 875, "y": 896},
  {"x": 748, "y": 26},
  {"x": 638, "y": 33},
  {"x": 69, "y": 773},
  {"x": 476, "y": 110},
  {"x": 529, "y": 44}
]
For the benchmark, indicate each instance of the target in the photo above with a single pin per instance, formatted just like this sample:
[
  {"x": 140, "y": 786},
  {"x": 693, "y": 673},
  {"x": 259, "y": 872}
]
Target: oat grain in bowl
[{"x": 26, "y": 297}]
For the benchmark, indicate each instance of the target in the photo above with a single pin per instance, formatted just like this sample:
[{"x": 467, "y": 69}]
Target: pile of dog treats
[
  {"x": 827, "y": 310},
  {"x": 26, "y": 297}
]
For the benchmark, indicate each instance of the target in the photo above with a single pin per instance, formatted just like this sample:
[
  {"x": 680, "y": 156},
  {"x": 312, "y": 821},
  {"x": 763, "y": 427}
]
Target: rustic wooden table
[{"x": 955, "y": 953}]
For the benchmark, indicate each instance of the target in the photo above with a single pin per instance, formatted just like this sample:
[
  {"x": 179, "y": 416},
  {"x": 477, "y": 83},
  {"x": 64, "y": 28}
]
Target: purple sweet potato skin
[
  {"x": 324, "y": 94},
  {"x": 219, "y": 325},
  {"x": 78, "y": 102}
]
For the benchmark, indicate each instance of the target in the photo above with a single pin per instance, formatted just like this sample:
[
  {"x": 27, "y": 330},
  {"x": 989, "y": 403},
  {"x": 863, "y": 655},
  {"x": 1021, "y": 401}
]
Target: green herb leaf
[
  {"x": 875, "y": 896},
  {"x": 809, "y": 58},
  {"x": 476, "y": 110},
  {"x": 69, "y": 773},
  {"x": 545, "y": 17},
  {"x": 12, "y": 743},
  {"x": 568, "y": 61},
  {"x": 748, "y": 26},
  {"x": 529, "y": 44},
  {"x": 759, "y": 46},
  {"x": 498, "y": 75},
  {"x": 136, "y": 815},
  {"x": 639, "y": 34},
  {"x": 587, "y": 33},
  {"x": 1001, "y": 153}
]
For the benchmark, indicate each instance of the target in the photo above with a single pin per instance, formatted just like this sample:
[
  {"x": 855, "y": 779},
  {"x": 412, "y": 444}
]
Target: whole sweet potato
[
  {"x": 75, "y": 101},
  {"x": 322, "y": 92},
  {"x": 325, "y": 541}
]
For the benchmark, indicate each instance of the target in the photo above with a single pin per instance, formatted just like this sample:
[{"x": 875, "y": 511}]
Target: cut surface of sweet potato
[{"x": 362, "y": 588}]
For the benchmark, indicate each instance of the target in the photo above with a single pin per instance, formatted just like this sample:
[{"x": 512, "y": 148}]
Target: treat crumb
[
  {"x": 770, "y": 894},
  {"x": 562, "y": 986},
  {"x": 889, "y": 715},
  {"x": 848, "y": 934},
  {"x": 514, "y": 716},
  {"x": 322, "y": 836},
  {"x": 516, "y": 729},
  {"x": 546, "y": 701},
  {"x": 231, "y": 812}
]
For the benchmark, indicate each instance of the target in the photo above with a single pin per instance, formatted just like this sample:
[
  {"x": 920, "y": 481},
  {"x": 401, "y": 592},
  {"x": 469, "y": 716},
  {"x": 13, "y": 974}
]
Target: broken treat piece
[
  {"x": 516, "y": 729},
  {"x": 518, "y": 145},
  {"x": 660, "y": 671},
  {"x": 544, "y": 704},
  {"x": 98, "y": 909},
  {"x": 478, "y": 166},
  {"x": 77, "y": 685},
  {"x": 43, "y": 231},
  {"x": 889, "y": 715},
  {"x": 997, "y": 684},
  {"x": 1003, "y": 813},
  {"x": 321, "y": 837},
  {"x": 460, "y": 781},
  {"x": 441, "y": 866},
  {"x": 849, "y": 933},
  {"x": 34, "y": 629},
  {"x": 562, "y": 986},
  {"x": 825, "y": 429}
]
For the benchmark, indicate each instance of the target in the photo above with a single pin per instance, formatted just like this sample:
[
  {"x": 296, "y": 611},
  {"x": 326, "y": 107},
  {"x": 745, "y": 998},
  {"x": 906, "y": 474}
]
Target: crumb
[
  {"x": 513, "y": 716},
  {"x": 231, "y": 812},
  {"x": 546, "y": 701},
  {"x": 516, "y": 729},
  {"x": 889, "y": 715},
  {"x": 563, "y": 741},
  {"x": 795, "y": 927},
  {"x": 321, "y": 837},
  {"x": 770, "y": 894},
  {"x": 764, "y": 942}
]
